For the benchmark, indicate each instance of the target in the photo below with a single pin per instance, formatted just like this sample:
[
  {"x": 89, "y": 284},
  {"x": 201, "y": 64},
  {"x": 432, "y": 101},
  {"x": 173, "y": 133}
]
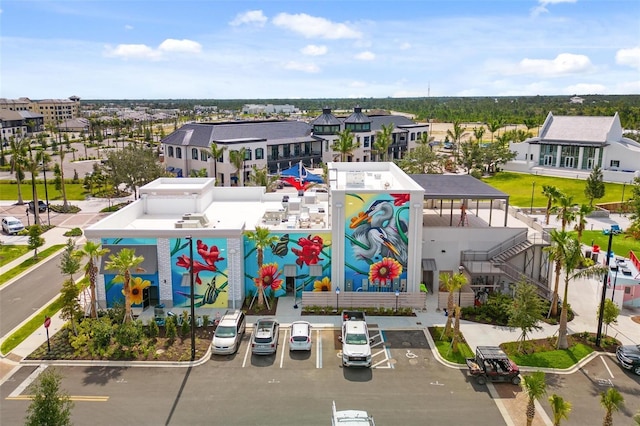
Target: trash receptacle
[
  {"x": 594, "y": 257},
  {"x": 587, "y": 254}
]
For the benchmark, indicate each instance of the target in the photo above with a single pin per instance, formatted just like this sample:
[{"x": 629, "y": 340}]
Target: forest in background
[{"x": 508, "y": 110}]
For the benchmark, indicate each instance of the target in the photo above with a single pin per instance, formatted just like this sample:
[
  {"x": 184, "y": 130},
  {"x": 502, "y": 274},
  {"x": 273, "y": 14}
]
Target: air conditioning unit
[
  {"x": 188, "y": 224},
  {"x": 201, "y": 217}
]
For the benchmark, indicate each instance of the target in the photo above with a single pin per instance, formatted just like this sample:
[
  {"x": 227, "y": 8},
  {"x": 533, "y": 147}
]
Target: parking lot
[{"x": 391, "y": 349}]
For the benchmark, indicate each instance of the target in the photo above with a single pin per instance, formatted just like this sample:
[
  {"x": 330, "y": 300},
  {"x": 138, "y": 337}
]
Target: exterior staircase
[{"x": 512, "y": 251}]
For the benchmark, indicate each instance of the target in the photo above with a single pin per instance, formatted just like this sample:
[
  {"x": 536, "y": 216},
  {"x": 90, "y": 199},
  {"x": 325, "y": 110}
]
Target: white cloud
[
  {"x": 180, "y": 46},
  {"x": 132, "y": 51},
  {"x": 299, "y": 66},
  {"x": 251, "y": 17},
  {"x": 365, "y": 56},
  {"x": 128, "y": 27},
  {"x": 629, "y": 57},
  {"x": 405, "y": 46},
  {"x": 142, "y": 51},
  {"x": 314, "y": 27},
  {"x": 542, "y": 6},
  {"x": 357, "y": 84},
  {"x": 586, "y": 89},
  {"x": 563, "y": 64},
  {"x": 313, "y": 50}
]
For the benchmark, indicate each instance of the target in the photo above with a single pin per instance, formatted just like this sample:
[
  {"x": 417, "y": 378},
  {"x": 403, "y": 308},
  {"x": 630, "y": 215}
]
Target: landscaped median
[{"x": 29, "y": 263}]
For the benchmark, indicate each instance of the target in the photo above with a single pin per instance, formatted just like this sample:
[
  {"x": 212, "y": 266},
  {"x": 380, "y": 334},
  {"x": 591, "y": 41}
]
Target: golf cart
[{"x": 491, "y": 364}]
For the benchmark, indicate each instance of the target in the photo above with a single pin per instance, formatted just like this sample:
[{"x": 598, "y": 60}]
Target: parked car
[
  {"x": 300, "y": 336},
  {"x": 629, "y": 357},
  {"x": 449, "y": 145},
  {"x": 11, "y": 225},
  {"x": 229, "y": 332},
  {"x": 265, "y": 337},
  {"x": 42, "y": 206}
]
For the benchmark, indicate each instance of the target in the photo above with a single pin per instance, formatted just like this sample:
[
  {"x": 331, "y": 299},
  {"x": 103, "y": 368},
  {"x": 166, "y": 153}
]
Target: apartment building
[{"x": 53, "y": 111}]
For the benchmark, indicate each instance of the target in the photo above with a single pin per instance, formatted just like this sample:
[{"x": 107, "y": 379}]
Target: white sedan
[{"x": 300, "y": 336}]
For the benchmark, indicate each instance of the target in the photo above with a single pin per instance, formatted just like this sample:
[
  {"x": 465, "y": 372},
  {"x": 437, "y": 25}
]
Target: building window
[
  {"x": 170, "y": 151},
  {"x": 413, "y": 136},
  {"x": 615, "y": 163},
  {"x": 259, "y": 153},
  {"x": 247, "y": 155},
  {"x": 194, "y": 154},
  {"x": 366, "y": 141},
  {"x": 178, "y": 152},
  {"x": 204, "y": 155}
]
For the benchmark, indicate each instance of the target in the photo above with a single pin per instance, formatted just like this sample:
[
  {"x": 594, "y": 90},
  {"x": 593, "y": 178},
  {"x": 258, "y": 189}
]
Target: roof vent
[{"x": 200, "y": 217}]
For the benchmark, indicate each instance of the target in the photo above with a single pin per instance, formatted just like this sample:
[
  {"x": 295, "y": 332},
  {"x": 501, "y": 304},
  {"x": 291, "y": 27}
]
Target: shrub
[
  {"x": 75, "y": 232},
  {"x": 101, "y": 331},
  {"x": 171, "y": 329},
  {"x": 152, "y": 329},
  {"x": 205, "y": 320},
  {"x": 185, "y": 327}
]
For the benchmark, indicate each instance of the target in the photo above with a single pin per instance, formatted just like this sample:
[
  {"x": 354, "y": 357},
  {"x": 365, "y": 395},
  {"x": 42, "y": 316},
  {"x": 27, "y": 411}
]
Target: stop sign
[{"x": 47, "y": 322}]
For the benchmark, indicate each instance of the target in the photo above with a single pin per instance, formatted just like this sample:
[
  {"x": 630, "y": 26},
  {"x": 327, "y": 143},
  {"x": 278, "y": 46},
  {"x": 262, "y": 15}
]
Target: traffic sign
[{"x": 47, "y": 322}]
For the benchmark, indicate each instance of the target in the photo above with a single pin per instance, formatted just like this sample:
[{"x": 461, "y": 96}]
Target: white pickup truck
[
  {"x": 356, "y": 344},
  {"x": 351, "y": 418}
]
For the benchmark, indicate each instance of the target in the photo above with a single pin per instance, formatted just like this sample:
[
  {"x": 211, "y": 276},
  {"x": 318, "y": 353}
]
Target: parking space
[{"x": 406, "y": 349}]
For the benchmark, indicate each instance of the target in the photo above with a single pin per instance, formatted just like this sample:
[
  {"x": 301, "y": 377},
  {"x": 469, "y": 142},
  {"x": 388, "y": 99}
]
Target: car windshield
[
  {"x": 356, "y": 339},
  {"x": 225, "y": 331},
  {"x": 14, "y": 222}
]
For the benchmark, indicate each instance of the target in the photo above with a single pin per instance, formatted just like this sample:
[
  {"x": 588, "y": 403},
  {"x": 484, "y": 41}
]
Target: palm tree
[
  {"x": 452, "y": 283},
  {"x": 581, "y": 218},
  {"x": 611, "y": 400},
  {"x": 535, "y": 386},
  {"x": 93, "y": 251},
  {"x": 494, "y": 126},
  {"x": 123, "y": 263},
  {"x": 455, "y": 134},
  {"x": 237, "y": 159},
  {"x": 261, "y": 177},
  {"x": 18, "y": 148},
  {"x": 65, "y": 204},
  {"x": 345, "y": 144},
  {"x": 215, "y": 153},
  {"x": 560, "y": 408},
  {"x": 478, "y": 132},
  {"x": 565, "y": 210},
  {"x": 567, "y": 252},
  {"x": 261, "y": 239},
  {"x": 552, "y": 193},
  {"x": 383, "y": 141},
  {"x": 32, "y": 164}
]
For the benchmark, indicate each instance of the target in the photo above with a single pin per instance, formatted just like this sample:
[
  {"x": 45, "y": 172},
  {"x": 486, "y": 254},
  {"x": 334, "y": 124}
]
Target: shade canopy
[{"x": 299, "y": 171}]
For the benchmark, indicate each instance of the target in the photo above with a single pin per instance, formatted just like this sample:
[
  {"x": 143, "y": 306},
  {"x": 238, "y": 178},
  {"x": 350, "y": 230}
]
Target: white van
[{"x": 229, "y": 332}]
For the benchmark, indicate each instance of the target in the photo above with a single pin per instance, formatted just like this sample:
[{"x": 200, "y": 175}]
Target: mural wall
[
  {"x": 139, "y": 280},
  {"x": 209, "y": 270},
  {"x": 287, "y": 264},
  {"x": 376, "y": 241}
]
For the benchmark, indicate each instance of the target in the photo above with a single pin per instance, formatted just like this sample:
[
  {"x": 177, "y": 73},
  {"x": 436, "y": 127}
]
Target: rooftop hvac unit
[
  {"x": 188, "y": 224},
  {"x": 201, "y": 217}
]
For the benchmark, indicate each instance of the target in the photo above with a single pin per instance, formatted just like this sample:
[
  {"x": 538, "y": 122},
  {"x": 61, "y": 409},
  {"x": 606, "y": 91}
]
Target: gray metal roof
[
  {"x": 357, "y": 117},
  {"x": 326, "y": 119},
  {"x": 202, "y": 134},
  {"x": 578, "y": 128},
  {"x": 456, "y": 187}
]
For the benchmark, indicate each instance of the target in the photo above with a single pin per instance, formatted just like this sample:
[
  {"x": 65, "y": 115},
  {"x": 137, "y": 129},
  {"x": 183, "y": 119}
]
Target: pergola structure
[{"x": 459, "y": 187}]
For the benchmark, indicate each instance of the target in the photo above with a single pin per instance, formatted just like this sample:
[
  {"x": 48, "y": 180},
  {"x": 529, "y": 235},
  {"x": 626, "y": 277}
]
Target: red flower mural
[
  {"x": 185, "y": 262},
  {"x": 269, "y": 276},
  {"x": 210, "y": 256},
  {"x": 387, "y": 269},
  {"x": 400, "y": 199},
  {"x": 310, "y": 250}
]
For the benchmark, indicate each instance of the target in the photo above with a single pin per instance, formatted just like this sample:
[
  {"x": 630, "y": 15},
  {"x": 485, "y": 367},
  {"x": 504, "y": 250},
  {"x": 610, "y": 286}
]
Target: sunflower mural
[
  {"x": 376, "y": 240},
  {"x": 209, "y": 273},
  {"x": 302, "y": 251},
  {"x": 140, "y": 279}
]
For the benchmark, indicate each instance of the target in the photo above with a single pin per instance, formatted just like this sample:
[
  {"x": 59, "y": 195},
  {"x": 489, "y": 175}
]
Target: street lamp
[
  {"x": 193, "y": 306},
  {"x": 460, "y": 270},
  {"x": 397, "y": 295},
  {"x": 337, "y": 298},
  {"x": 46, "y": 191},
  {"x": 624, "y": 185},
  {"x": 604, "y": 292},
  {"x": 533, "y": 189},
  {"x": 615, "y": 279}
]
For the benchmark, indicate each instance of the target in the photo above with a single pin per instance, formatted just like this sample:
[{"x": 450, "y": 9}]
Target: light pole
[
  {"x": 193, "y": 306},
  {"x": 397, "y": 295},
  {"x": 615, "y": 279},
  {"x": 27, "y": 211},
  {"x": 604, "y": 293},
  {"x": 533, "y": 190},
  {"x": 337, "y": 298},
  {"x": 46, "y": 191},
  {"x": 624, "y": 185},
  {"x": 460, "y": 270}
]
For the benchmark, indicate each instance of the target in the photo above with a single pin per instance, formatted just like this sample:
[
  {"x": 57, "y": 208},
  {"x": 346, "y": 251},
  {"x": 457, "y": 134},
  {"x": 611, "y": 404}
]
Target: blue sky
[{"x": 233, "y": 49}]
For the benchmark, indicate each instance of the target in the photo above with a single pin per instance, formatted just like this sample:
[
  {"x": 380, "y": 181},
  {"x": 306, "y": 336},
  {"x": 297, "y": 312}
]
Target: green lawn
[
  {"x": 445, "y": 350},
  {"x": 620, "y": 245},
  {"x": 561, "y": 359},
  {"x": 520, "y": 185},
  {"x": 29, "y": 263},
  {"x": 9, "y": 191},
  {"x": 10, "y": 252}
]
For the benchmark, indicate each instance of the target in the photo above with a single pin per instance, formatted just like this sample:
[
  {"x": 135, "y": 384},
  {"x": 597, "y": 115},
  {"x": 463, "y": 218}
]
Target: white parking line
[
  {"x": 318, "y": 349},
  {"x": 606, "y": 366},
  {"x": 246, "y": 355},
  {"x": 282, "y": 351}
]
